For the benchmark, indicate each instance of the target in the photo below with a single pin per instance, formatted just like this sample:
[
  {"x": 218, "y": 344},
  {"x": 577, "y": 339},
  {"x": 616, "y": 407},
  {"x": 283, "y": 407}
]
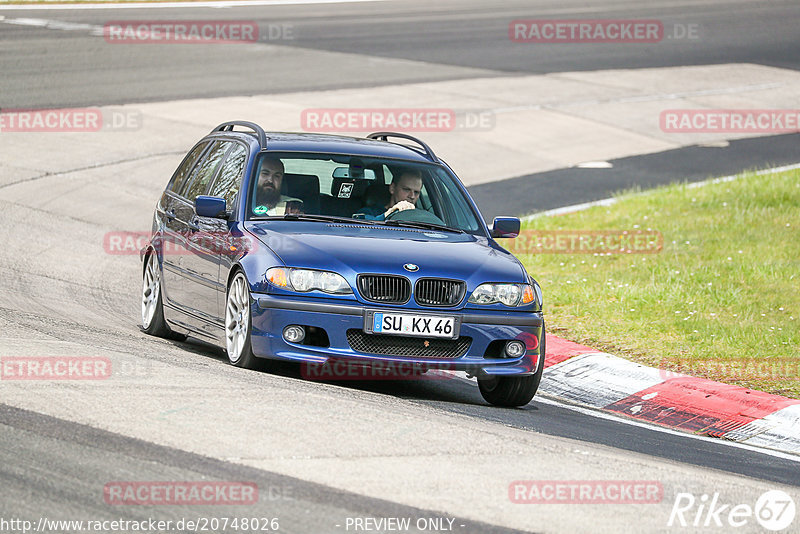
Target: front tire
[
  {"x": 510, "y": 391},
  {"x": 153, "y": 322},
  {"x": 238, "y": 324}
]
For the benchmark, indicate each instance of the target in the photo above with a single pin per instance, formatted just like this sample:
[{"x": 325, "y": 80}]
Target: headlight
[
  {"x": 305, "y": 280},
  {"x": 509, "y": 294}
]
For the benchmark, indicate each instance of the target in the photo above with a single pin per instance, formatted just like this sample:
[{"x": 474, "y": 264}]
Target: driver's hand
[{"x": 400, "y": 206}]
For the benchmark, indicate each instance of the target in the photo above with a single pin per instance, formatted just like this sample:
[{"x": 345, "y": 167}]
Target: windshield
[{"x": 359, "y": 188}]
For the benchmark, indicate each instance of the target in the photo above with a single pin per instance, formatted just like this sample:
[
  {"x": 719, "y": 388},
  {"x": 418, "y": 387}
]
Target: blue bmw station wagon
[{"x": 320, "y": 248}]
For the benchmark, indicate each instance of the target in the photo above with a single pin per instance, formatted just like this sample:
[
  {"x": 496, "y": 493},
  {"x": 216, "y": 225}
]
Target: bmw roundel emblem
[{"x": 411, "y": 267}]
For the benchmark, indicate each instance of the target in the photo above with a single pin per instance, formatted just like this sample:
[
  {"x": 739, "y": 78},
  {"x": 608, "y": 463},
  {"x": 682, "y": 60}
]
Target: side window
[
  {"x": 451, "y": 203},
  {"x": 205, "y": 171},
  {"x": 186, "y": 167},
  {"x": 229, "y": 180}
]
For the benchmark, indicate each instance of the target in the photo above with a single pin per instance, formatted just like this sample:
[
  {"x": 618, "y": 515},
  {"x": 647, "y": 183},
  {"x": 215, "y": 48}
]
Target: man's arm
[
  {"x": 371, "y": 213},
  {"x": 400, "y": 206}
]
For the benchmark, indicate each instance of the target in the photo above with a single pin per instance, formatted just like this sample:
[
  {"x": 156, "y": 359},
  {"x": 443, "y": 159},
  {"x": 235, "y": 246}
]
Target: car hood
[{"x": 350, "y": 249}]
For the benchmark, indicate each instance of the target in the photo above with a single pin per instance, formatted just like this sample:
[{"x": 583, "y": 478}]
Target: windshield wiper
[
  {"x": 423, "y": 225},
  {"x": 327, "y": 218}
]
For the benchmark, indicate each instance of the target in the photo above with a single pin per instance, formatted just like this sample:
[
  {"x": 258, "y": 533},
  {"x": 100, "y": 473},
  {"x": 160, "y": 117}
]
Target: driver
[
  {"x": 269, "y": 200},
  {"x": 404, "y": 191}
]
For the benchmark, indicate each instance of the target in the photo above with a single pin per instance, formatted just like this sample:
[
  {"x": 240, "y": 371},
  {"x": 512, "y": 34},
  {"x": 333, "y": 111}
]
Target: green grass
[{"x": 722, "y": 298}]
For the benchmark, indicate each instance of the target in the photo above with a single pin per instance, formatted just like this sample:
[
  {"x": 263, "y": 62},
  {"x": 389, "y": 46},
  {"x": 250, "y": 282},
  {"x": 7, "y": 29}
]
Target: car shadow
[{"x": 428, "y": 387}]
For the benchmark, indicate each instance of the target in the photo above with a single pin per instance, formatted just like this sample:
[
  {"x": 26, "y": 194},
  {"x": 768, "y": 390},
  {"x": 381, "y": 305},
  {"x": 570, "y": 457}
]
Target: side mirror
[
  {"x": 505, "y": 227},
  {"x": 206, "y": 206}
]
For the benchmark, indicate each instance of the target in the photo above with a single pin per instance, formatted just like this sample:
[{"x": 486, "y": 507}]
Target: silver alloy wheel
[
  {"x": 151, "y": 289},
  {"x": 237, "y": 317}
]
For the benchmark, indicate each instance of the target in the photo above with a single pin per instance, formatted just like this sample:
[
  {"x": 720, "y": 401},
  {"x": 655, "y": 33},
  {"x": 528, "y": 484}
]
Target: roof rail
[
  {"x": 228, "y": 127},
  {"x": 384, "y": 136}
]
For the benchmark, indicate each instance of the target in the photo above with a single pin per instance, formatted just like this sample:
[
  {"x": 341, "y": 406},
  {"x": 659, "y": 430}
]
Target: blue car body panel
[{"x": 195, "y": 276}]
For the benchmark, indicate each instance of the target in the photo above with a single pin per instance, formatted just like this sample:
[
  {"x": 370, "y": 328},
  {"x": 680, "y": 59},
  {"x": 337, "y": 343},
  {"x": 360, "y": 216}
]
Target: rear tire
[
  {"x": 238, "y": 324},
  {"x": 510, "y": 391},
  {"x": 153, "y": 322}
]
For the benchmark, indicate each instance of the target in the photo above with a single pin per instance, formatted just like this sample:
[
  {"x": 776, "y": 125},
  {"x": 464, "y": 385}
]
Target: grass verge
[{"x": 721, "y": 299}]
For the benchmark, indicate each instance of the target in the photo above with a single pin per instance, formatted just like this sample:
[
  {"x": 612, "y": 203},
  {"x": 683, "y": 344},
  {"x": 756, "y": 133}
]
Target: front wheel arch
[
  {"x": 232, "y": 326},
  {"x": 514, "y": 391}
]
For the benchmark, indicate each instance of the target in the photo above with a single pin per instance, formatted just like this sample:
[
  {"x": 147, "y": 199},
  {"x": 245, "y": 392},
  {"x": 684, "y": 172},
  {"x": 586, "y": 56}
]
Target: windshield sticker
[
  {"x": 346, "y": 190},
  {"x": 434, "y": 235},
  {"x": 260, "y": 210}
]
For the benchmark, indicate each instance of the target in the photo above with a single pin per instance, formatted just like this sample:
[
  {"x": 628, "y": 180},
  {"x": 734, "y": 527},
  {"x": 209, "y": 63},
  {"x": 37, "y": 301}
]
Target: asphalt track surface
[
  {"x": 189, "y": 416},
  {"x": 449, "y": 39},
  {"x": 567, "y": 187}
]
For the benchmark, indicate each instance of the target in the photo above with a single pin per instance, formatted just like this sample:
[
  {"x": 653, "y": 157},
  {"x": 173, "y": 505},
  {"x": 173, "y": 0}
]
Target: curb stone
[{"x": 582, "y": 375}]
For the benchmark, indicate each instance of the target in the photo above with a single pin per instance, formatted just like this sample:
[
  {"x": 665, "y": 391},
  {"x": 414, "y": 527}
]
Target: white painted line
[
  {"x": 595, "y": 165},
  {"x": 591, "y": 412},
  {"x": 665, "y": 430},
  {"x": 610, "y": 201},
  {"x": 736, "y": 176},
  {"x": 54, "y": 25},
  {"x": 160, "y": 5},
  {"x": 26, "y": 22},
  {"x": 70, "y": 26},
  {"x": 715, "y": 144},
  {"x": 570, "y": 209}
]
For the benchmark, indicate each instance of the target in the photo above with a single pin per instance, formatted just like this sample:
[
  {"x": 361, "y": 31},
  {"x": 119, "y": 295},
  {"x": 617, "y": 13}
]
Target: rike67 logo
[{"x": 774, "y": 511}]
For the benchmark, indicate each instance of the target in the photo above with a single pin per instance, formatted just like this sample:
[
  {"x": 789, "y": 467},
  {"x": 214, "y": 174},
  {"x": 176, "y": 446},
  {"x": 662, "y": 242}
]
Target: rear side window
[
  {"x": 186, "y": 167},
  {"x": 229, "y": 180},
  {"x": 205, "y": 171}
]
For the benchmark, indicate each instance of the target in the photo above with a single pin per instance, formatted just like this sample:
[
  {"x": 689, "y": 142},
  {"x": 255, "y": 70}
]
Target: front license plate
[{"x": 407, "y": 324}]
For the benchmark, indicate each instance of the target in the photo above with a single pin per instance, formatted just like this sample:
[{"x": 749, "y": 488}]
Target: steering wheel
[{"x": 415, "y": 215}]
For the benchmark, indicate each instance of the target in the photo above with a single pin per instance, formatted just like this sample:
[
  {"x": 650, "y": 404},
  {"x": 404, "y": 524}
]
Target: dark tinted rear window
[
  {"x": 186, "y": 167},
  {"x": 205, "y": 171}
]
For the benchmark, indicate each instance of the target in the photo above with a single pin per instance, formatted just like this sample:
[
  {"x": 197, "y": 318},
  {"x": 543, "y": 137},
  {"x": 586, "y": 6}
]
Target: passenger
[
  {"x": 269, "y": 200},
  {"x": 404, "y": 191}
]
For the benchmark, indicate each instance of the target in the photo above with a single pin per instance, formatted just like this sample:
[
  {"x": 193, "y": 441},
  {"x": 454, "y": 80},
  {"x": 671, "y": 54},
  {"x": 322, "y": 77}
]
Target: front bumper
[{"x": 271, "y": 314}]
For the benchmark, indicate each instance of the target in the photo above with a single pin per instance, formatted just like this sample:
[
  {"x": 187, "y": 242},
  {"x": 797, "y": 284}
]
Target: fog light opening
[
  {"x": 294, "y": 334},
  {"x": 515, "y": 349}
]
